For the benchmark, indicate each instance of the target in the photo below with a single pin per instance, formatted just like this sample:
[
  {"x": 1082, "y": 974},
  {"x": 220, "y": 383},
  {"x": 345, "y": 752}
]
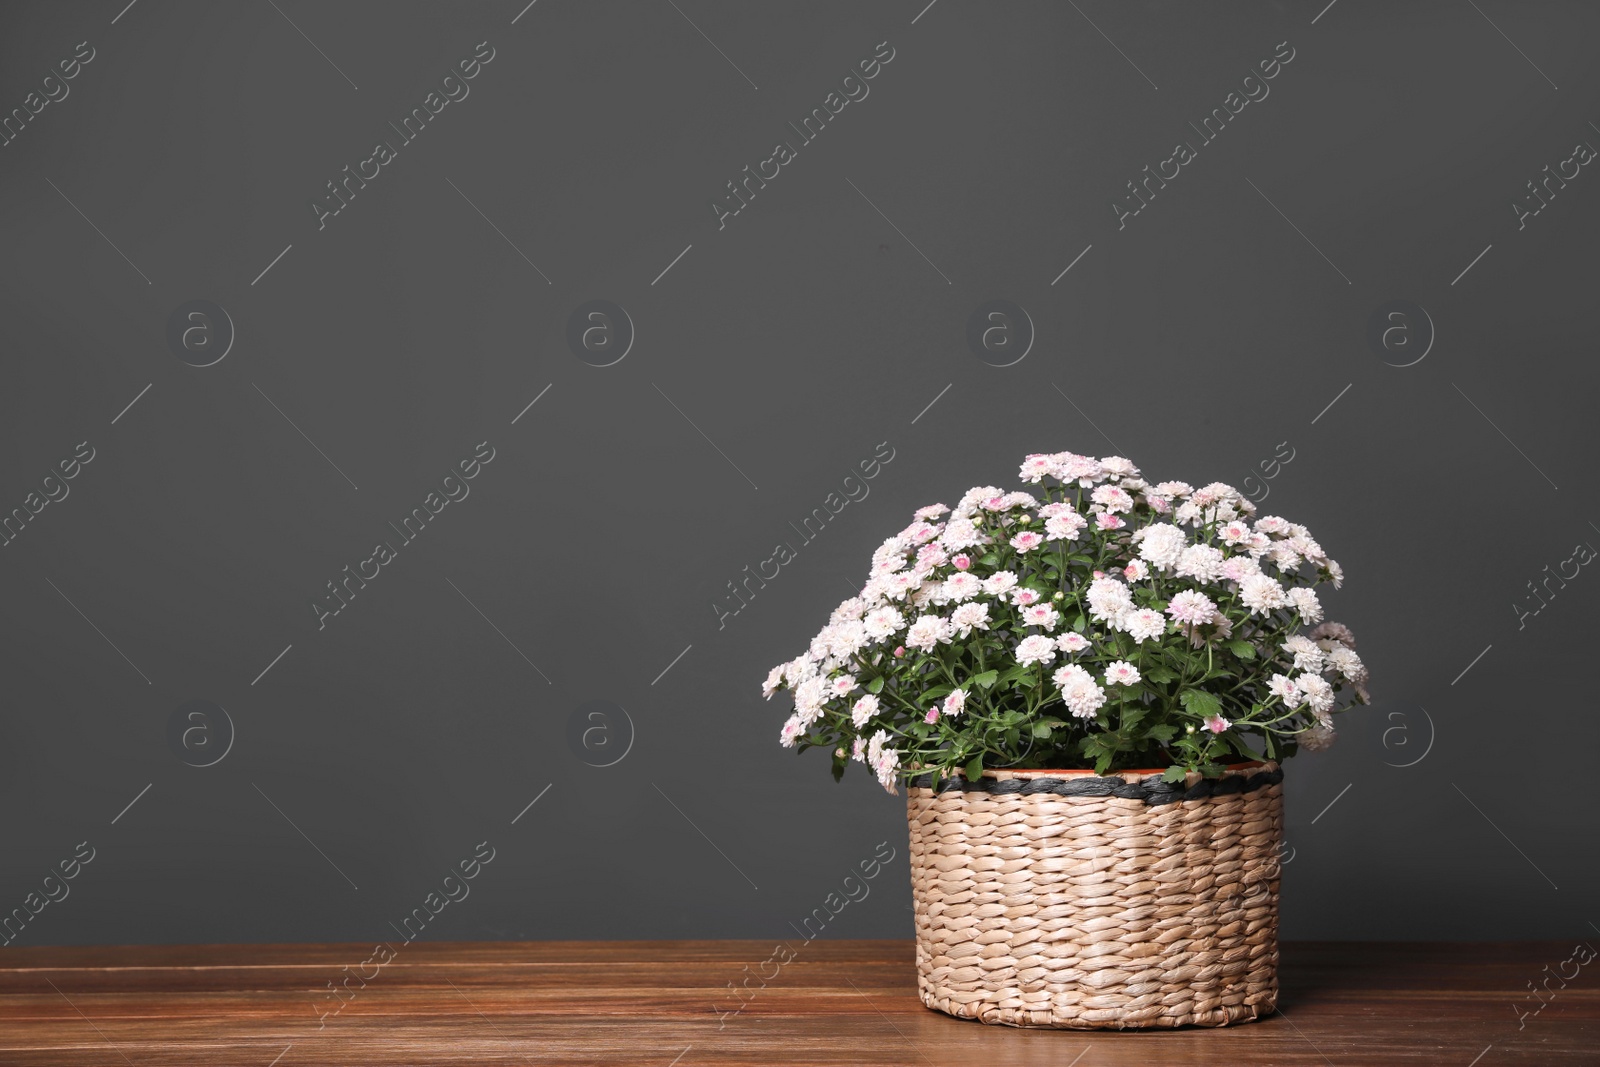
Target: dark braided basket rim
[{"x": 1151, "y": 791}]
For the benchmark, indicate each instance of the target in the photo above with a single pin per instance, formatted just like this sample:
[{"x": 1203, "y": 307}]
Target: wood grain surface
[{"x": 669, "y": 1003}]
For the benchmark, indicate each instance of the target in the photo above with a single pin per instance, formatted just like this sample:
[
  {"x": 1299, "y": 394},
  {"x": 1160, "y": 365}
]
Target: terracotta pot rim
[{"x": 1080, "y": 772}]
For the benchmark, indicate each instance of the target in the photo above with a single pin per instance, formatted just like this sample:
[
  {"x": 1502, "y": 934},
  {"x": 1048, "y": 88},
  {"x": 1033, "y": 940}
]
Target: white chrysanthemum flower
[
  {"x": 1041, "y": 615},
  {"x": 1234, "y": 533},
  {"x": 1036, "y": 468},
  {"x": 1335, "y": 573},
  {"x": 1018, "y": 500},
  {"x": 1203, "y": 563},
  {"x": 1271, "y": 524},
  {"x": 1162, "y": 545},
  {"x": 1083, "y": 698},
  {"x": 1119, "y": 466},
  {"x": 1082, "y": 469},
  {"x": 842, "y": 685},
  {"x": 1307, "y": 656},
  {"x": 959, "y": 534},
  {"x": 1191, "y": 607},
  {"x": 1072, "y": 641},
  {"x": 883, "y": 622},
  {"x": 863, "y": 709},
  {"x": 963, "y": 585},
  {"x": 774, "y": 681},
  {"x": 1174, "y": 490},
  {"x": 999, "y": 583},
  {"x": 850, "y": 611},
  {"x": 859, "y": 750},
  {"x": 1121, "y": 672},
  {"x": 969, "y": 617},
  {"x": 1036, "y": 649},
  {"x": 1144, "y": 624},
  {"x": 1284, "y": 688},
  {"x": 895, "y": 586},
  {"x": 955, "y": 703},
  {"x": 1108, "y": 599},
  {"x": 791, "y": 731},
  {"x": 1306, "y": 603},
  {"x": 1069, "y": 675},
  {"x": 1065, "y": 527},
  {"x": 808, "y": 699},
  {"x": 1113, "y": 498},
  {"x": 932, "y": 511},
  {"x": 927, "y": 632},
  {"x": 1262, "y": 594},
  {"x": 1318, "y": 694},
  {"x": 1347, "y": 663},
  {"x": 1238, "y": 568},
  {"x": 1137, "y": 571},
  {"x": 1284, "y": 557}
]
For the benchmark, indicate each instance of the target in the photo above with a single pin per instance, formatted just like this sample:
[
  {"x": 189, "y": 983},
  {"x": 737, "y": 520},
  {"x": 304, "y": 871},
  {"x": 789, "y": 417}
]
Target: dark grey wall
[{"x": 335, "y": 772}]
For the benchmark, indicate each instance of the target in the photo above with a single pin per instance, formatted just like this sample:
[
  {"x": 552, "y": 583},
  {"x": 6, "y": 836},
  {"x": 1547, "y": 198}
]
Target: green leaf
[
  {"x": 986, "y": 679},
  {"x": 1175, "y": 774},
  {"x": 1163, "y": 733},
  {"x": 1041, "y": 730},
  {"x": 991, "y": 560},
  {"x": 1242, "y": 649},
  {"x": 974, "y": 768},
  {"x": 1080, "y": 622},
  {"x": 1102, "y": 764},
  {"x": 876, "y": 685},
  {"x": 1161, "y": 676},
  {"x": 1200, "y": 703}
]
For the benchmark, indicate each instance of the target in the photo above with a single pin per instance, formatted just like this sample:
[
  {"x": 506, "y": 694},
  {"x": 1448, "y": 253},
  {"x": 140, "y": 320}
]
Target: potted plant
[{"x": 1088, "y": 689}]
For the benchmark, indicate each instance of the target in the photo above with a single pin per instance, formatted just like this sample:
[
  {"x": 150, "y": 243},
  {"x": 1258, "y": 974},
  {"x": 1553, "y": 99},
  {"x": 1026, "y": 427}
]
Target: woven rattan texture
[{"x": 1097, "y": 912}]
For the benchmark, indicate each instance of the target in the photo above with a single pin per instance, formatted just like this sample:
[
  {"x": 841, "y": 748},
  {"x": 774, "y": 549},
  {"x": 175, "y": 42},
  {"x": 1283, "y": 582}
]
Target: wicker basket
[{"x": 1067, "y": 899}]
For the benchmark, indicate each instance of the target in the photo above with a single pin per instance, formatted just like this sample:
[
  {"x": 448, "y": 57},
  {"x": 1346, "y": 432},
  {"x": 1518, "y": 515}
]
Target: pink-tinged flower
[
  {"x": 792, "y": 729},
  {"x": 1036, "y": 649},
  {"x": 1069, "y": 675},
  {"x": 882, "y": 622},
  {"x": 1072, "y": 641},
  {"x": 1121, "y": 672},
  {"x": 927, "y": 632},
  {"x": 961, "y": 586},
  {"x": 896, "y": 586},
  {"x": 955, "y": 703},
  {"x": 1065, "y": 527},
  {"x": 1041, "y": 615},
  {"x": 1036, "y": 467},
  {"x": 1112, "y": 498},
  {"x": 1144, "y": 624},
  {"x": 1271, "y": 524},
  {"x": 969, "y": 617},
  {"x": 864, "y": 709},
  {"x": 931, "y": 555},
  {"x": 858, "y": 750},
  {"x": 1024, "y": 596},
  {"x": 774, "y": 680},
  {"x": 843, "y": 684},
  {"x": 1159, "y": 504},
  {"x": 922, "y": 532},
  {"x": 932, "y": 716},
  {"x": 932, "y": 511},
  {"x": 995, "y": 503},
  {"x": 1108, "y": 521},
  {"x": 1137, "y": 571},
  {"x": 1027, "y": 540},
  {"x": 1191, "y": 607},
  {"x": 962, "y": 562},
  {"x": 1234, "y": 533},
  {"x": 1000, "y": 582},
  {"x": 1216, "y": 724}
]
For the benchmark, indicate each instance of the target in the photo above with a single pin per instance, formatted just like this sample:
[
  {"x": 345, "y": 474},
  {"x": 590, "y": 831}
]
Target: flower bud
[
  {"x": 899, "y": 651},
  {"x": 1059, "y": 596}
]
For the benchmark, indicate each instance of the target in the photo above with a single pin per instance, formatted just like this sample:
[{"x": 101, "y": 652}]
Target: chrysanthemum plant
[{"x": 1098, "y": 622}]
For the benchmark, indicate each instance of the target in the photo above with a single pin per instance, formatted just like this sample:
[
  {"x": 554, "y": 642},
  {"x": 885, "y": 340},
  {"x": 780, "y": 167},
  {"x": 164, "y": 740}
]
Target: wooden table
[{"x": 658, "y": 1003}]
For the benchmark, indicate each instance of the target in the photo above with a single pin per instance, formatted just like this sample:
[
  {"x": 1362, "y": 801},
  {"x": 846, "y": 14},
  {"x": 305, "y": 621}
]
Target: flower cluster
[{"x": 1099, "y": 621}]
